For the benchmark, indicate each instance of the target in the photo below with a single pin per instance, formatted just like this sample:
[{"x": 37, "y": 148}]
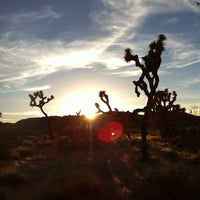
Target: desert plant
[
  {"x": 148, "y": 81},
  {"x": 195, "y": 110},
  {"x": 163, "y": 100},
  {"x": 104, "y": 97},
  {"x": 38, "y": 99},
  {"x": 162, "y": 105},
  {"x": 78, "y": 113}
]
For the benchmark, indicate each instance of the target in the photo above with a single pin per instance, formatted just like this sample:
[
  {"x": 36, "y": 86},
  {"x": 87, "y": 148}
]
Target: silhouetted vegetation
[
  {"x": 163, "y": 103},
  {"x": 38, "y": 99},
  {"x": 105, "y": 99},
  {"x": 148, "y": 81},
  {"x": 78, "y": 113},
  {"x": 195, "y": 110}
]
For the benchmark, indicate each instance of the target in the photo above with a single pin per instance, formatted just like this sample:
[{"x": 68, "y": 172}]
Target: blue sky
[{"x": 72, "y": 49}]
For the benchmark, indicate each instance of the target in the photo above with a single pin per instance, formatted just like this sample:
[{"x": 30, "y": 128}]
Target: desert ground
[{"x": 75, "y": 164}]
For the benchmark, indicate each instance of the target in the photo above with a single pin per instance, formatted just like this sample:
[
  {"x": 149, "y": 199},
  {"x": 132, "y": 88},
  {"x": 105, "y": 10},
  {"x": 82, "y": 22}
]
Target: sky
[{"x": 73, "y": 49}]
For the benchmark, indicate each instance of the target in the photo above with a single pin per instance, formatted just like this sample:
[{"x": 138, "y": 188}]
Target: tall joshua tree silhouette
[
  {"x": 38, "y": 99},
  {"x": 148, "y": 81}
]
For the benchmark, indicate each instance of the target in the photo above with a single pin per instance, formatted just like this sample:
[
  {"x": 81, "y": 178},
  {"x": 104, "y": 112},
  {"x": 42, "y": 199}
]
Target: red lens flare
[{"x": 110, "y": 132}]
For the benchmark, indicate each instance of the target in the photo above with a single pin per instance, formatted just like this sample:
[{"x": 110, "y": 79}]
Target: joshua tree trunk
[
  {"x": 48, "y": 123},
  {"x": 145, "y": 155}
]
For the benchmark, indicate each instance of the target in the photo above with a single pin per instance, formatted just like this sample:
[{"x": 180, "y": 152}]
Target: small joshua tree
[
  {"x": 195, "y": 110},
  {"x": 38, "y": 99},
  {"x": 78, "y": 113},
  {"x": 148, "y": 81},
  {"x": 104, "y": 97},
  {"x": 163, "y": 103}
]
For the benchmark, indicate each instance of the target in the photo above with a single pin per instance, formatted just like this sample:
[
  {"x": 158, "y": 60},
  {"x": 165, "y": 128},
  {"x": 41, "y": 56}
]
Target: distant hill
[{"x": 130, "y": 120}]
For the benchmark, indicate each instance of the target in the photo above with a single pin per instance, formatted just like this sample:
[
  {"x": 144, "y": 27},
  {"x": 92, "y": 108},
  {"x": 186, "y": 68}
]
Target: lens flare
[{"x": 110, "y": 132}]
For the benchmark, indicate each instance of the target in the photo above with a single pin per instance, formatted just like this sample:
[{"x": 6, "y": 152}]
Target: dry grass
[{"x": 77, "y": 166}]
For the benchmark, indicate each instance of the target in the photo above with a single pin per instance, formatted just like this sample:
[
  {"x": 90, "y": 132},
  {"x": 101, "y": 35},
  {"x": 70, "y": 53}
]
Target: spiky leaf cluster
[
  {"x": 149, "y": 79},
  {"x": 38, "y": 99},
  {"x": 163, "y": 101}
]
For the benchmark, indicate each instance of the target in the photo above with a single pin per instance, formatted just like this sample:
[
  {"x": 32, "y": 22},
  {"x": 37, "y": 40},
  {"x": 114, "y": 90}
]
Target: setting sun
[
  {"x": 90, "y": 115},
  {"x": 82, "y": 102}
]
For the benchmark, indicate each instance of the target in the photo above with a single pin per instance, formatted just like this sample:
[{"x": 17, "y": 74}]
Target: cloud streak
[
  {"x": 182, "y": 52},
  {"x": 29, "y": 17},
  {"x": 33, "y": 89}
]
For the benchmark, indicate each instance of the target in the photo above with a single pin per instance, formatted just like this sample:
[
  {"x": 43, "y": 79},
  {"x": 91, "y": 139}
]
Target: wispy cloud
[
  {"x": 182, "y": 52},
  {"x": 190, "y": 82},
  {"x": 122, "y": 19},
  {"x": 173, "y": 20},
  {"x": 44, "y": 87},
  {"x": 126, "y": 73},
  {"x": 46, "y": 13}
]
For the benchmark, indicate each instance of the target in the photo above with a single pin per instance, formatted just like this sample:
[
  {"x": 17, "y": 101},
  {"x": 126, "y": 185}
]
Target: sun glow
[
  {"x": 81, "y": 103},
  {"x": 90, "y": 115}
]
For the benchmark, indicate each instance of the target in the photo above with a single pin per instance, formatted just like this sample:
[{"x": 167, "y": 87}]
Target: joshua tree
[
  {"x": 38, "y": 99},
  {"x": 163, "y": 103},
  {"x": 78, "y": 113},
  {"x": 148, "y": 81},
  {"x": 195, "y": 110},
  {"x": 104, "y": 97}
]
